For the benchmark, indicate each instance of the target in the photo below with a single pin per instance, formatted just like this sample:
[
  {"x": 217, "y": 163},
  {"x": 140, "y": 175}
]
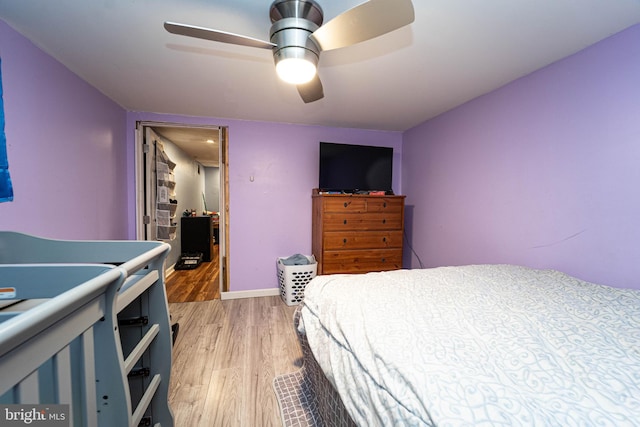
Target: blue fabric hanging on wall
[{"x": 6, "y": 189}]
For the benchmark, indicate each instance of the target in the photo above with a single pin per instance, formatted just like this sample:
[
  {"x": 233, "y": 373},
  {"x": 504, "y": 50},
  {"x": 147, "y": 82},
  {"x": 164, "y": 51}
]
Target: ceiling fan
[{"x": 297, "y": 35}]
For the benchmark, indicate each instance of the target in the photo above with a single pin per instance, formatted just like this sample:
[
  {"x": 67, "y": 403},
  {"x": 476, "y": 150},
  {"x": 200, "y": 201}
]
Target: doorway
[{"x": 182, "y": 180}]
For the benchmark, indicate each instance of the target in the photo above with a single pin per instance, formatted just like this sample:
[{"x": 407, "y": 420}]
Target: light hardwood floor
[
  {"x": 200, "y": 284},
  {"x": 225, "y": 358}
]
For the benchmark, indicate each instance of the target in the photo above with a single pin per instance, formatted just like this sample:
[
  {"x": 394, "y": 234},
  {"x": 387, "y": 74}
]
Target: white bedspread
[{"x": 477, "y": 345}]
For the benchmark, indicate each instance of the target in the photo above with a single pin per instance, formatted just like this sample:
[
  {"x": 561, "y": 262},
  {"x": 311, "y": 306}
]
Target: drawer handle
[
  {"x": 384, "y": 239},
  {"x": 383, "y": 260},
  {"x": 384, "y": 221},
  {"x": 344, "y": 240},
  {"x": 345, "y": 221},
  {"x": 346, "y": 204},
  {"x": 384, "y": 205}
]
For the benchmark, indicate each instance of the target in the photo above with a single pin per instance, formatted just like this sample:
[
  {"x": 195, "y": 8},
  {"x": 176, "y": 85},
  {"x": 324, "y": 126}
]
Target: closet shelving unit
[{"x": 166, "y": 205}]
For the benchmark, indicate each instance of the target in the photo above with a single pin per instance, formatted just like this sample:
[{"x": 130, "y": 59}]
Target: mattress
[{"x": 477, "y": 345}]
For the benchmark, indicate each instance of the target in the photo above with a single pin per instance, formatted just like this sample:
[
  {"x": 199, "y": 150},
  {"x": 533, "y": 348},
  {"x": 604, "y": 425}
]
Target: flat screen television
[{"x": 355, "y": 168}]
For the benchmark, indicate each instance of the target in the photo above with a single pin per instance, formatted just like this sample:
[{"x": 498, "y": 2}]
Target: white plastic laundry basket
[{"x": 294, "y": 278}]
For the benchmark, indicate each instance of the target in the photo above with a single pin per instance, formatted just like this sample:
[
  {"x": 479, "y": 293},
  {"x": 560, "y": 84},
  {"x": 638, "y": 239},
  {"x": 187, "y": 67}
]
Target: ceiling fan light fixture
[
  {"x": 296, "y": 70},
  {"x": 296, "y": 65},
  {"x": 295, "y": 54}
]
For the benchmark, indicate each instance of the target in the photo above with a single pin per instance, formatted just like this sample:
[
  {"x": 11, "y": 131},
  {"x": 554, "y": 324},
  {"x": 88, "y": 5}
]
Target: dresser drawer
[
  {"x": 360, "y": 261},
  {"x": 383, "y": 204},
  {"x": 363, "y": 204},
  {"x": 345, "y": 204},
  {"x": 370, "y": 221},
  {"x": 362, "y": 240}
]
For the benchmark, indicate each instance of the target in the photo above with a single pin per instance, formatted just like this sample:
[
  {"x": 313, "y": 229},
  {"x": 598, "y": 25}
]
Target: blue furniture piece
[{"x": 86, "y": 324}]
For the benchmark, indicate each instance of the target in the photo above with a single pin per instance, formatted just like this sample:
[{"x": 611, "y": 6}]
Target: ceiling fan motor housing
[
  {"x": 306, "y": 9},
  {"x": 293, "y": 21}
]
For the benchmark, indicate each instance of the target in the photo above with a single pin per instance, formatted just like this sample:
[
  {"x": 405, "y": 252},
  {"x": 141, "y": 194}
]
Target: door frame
[{"x": 223, "y": 282}]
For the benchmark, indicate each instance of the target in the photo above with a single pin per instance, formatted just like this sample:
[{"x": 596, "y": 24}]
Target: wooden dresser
[{"x": 355, "y": 233}]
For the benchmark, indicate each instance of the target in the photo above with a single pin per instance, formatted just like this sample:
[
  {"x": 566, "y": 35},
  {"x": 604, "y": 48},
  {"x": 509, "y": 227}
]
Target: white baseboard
[{"x": 250, "y": 294}]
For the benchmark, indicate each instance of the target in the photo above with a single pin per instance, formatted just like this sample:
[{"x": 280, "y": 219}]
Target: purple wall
[
  {"x": 543, "y": 172},
  {"x": 66, "y": 148},
  {"x": 269, "y": 217}
]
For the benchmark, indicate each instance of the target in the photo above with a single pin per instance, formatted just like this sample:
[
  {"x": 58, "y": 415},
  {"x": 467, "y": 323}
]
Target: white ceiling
[
  {"x": 201, "y": 143},
  {"x": 455, "y": 51}
]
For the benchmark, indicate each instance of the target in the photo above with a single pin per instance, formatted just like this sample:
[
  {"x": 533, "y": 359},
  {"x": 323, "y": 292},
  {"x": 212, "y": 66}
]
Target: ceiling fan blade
[
  {"x": 215, "y": 35},
  {"x": 311, "y": 91},
  {"x": 365, "y": 21}
]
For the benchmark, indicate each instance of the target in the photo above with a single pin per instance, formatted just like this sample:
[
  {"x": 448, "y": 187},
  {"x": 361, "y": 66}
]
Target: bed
[
  {"x": 85, "y": 328},
  {"x": 468, "y": 346}
]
